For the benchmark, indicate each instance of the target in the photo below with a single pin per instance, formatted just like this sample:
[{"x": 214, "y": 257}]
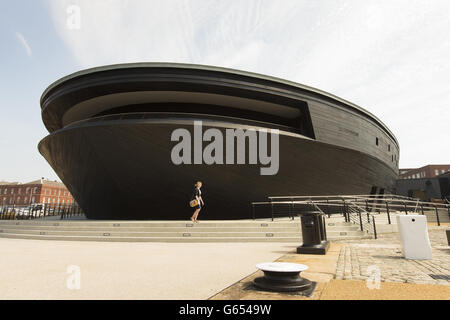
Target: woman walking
[{"x": 197, "y": 196}]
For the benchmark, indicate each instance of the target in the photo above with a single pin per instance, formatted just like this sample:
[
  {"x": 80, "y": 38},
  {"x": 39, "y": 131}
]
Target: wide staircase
[{"x": 260, "y": 230}]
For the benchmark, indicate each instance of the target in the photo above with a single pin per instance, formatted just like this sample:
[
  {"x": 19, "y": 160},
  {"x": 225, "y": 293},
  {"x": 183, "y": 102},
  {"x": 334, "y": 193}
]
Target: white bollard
[{"x": 414, "y": 236}]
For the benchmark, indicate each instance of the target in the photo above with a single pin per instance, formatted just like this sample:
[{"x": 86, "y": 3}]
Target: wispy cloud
[
  {"x": 390, "y": 57},
  {"x": 24, "y": 43}
]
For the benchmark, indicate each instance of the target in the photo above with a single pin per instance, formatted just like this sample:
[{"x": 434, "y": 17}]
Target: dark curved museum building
[{"x": 111, "y": 127}]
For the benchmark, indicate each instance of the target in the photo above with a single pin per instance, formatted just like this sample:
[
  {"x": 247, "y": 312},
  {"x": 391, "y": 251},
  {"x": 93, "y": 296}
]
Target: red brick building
[
  {"x": 39, "y": 191},
  {"x": 426, "y": 172}
]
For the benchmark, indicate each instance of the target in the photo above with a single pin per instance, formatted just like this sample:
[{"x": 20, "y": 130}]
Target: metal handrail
[
  {"x": 39, "y": 210},
  {"x": 392, "y": 198},
  {"x": 369, "y": 225},
  {"x": 369, "y": 205}
]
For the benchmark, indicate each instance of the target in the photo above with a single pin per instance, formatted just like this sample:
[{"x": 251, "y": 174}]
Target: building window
[
  {"x": 436, "y": 172},
  {"x": 392, "y": 158},
  {"x": 376, "y": 141},
  {"x": 389, "y": 147}
]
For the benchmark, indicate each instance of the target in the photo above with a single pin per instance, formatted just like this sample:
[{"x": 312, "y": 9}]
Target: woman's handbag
[{"x": 193, "y": 203}]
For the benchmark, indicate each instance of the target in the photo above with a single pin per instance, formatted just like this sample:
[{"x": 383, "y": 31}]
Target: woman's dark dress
[{"x": 197, "y": 193}]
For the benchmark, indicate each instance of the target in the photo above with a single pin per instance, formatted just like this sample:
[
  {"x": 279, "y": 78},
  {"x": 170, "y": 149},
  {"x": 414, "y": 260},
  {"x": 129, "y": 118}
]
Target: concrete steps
[
  {"x": 338, "y": 229},
  {"x": 383, "y": 226},
  {"x": 170, "y": 231}
]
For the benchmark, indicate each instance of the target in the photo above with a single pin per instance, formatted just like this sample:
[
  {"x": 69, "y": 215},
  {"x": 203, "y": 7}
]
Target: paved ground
[
  {"x": 358, "y": 290},
  {"x": 34, "y": 269},
  {"x": 343, "y": 272},
  {"x": 321, "y": 270},
  {"x": 358, "y": 260},
  {"x": 37, "y": 269}
]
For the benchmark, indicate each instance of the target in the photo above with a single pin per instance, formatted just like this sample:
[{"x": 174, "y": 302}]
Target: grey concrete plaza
[{"x": 36, "y": 269}]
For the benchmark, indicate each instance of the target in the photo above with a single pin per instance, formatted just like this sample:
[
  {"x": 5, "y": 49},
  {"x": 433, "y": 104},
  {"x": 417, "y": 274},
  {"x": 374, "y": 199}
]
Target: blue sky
[
  {"x": 390, "y": 57},
  {"x": 24, "y": 76}
]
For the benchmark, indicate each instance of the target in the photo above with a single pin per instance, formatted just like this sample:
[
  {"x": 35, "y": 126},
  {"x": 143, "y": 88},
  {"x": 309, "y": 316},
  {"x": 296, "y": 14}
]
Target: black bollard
[{"x": 313, "y": 234}]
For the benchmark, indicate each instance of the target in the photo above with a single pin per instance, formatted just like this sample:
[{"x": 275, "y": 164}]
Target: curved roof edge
[{"x": 216, "y": 69}]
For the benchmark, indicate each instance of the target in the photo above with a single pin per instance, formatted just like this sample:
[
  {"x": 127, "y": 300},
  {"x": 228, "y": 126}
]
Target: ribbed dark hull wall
[
  {"x": 342, "y": 127},
  {"x": 123, "y": 170}
]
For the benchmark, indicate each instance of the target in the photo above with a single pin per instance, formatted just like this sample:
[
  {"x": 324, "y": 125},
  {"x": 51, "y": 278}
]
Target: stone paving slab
[
  {"x": 358, "y": 290},
  {"x": 358, "y": 260}
]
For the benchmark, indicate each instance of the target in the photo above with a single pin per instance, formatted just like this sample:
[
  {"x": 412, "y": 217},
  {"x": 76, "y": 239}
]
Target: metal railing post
[
  {"x": 328, "y": 208},
  {"x": 437, "y": 216},
  {"x": 374, "y": 227},
  {"x": 271, "y": 208},
  {"x": 253, "y": 211},
  {"x": 406, "y": 210},
  {"x": 360, "y": 219},
  {"x": 345, "y": 211},
  {"x": 292, "y": 209},
  {"x": 388, "y": 213},
  {"x": 421, "y": 206}
]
